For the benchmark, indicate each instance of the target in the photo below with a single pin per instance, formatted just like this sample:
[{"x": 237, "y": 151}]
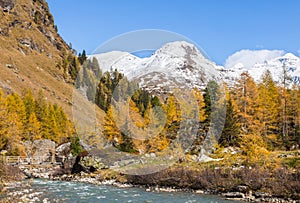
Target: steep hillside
[
  {"x": 31, "y": 50},
  {"x": 33, "y": 55}
]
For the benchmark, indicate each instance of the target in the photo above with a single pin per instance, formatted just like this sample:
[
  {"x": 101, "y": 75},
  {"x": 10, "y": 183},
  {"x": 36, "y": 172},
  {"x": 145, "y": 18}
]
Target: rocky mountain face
[
  {"x": 31, "y": 51},
  {"x": 181, "y": 64}
]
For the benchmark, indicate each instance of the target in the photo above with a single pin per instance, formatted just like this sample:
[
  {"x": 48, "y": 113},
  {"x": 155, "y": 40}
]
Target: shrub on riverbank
[
  {"x": 9, "y": 174},
  {"x": 281, "y": 182}
]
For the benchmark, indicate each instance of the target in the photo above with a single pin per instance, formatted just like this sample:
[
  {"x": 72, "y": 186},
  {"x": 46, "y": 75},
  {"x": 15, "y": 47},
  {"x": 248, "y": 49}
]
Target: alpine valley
[{"x": 66, "y": 117}]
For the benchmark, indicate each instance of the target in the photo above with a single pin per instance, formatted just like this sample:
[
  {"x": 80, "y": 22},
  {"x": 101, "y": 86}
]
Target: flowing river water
[{"x": 73, "y": 192}]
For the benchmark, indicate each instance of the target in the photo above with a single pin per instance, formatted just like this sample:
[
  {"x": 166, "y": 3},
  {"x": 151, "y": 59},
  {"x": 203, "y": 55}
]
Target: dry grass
[{"x": 280, "y": 182}]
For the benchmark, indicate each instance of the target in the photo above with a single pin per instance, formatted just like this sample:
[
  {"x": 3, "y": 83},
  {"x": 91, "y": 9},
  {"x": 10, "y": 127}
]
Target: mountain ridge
[
  {"x": 184, "y": 62},
  {"x": 179, "y": 63}
]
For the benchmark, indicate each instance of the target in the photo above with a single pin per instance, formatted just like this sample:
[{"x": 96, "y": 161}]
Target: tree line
[{"x": 264, "y": 115}]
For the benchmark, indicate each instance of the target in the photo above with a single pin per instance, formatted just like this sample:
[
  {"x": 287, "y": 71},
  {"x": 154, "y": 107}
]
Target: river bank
[
  {"x": 159, "y": 183},
  {"x": 243, "y": 184},
  {"x": 111, "y": 178}
]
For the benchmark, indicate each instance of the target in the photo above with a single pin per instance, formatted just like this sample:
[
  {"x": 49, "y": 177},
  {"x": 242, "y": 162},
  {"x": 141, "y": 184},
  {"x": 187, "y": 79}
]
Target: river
[{"x": 72, "y": 192}]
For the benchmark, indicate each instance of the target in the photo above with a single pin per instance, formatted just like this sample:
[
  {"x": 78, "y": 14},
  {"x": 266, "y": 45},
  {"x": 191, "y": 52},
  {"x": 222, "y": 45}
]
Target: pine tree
[
  {"x": 290, "y": 118},
  {"x": 16, "y": 113},
  {"x": 111, "y": 131},
  {"x": 33, "y": 130},
  {"x": 29, "y": 103},
  {"x": 45, "y": 122},
  {"x": 172, "y": 111},
  {"x": 16, "y": 105},
  {"x": 53, "y": 125},
  {"x": 13, "y": 133},
  {"x": 269, "y": 108},
  {"x": 40, "y": 107},
  {"x": 245, "y": 95},
  {"x": 3, "y": 119},
  {"x": 231, "y": 132},
  {"x": 82, "y": 57},
  {"x": 210, "y": 98},
  {"x": 201, "y": 105}
]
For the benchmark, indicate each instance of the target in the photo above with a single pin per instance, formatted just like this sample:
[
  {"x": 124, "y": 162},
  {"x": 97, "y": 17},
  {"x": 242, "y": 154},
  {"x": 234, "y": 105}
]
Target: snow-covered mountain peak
[
  {"x": 275, "y": 61},
  {"x": 291, "y": 56},
  {"x": 175, "y": 64},
  {"x": 117, "y": 60},
  {"x": 180, "y": 49},
  {"x": 288, "y": 57},
  {"x": 251, "y": 57}
]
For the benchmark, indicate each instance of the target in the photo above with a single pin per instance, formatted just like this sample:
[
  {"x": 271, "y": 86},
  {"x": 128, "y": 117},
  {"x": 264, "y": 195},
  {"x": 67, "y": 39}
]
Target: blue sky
[{"x": 219, "y": 27}]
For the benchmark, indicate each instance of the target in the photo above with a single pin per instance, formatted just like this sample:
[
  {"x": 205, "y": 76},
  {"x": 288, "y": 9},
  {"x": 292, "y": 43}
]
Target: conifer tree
[
  {"x": 45, "y": 122},
  {"x": 16, "y": 105},
  {"x": 3, "y": 119},
  {"x": 111, "y": 131},
  {"x": 201, "y": 105},
  {"x": 245, "y": 95},
  {"x": 82, "y": 57},
  {"x": 29, "y": 103},
  {"x": 231, "y": 132},
  {"x": 172, "y": 111},
  {"x": 269, "y": 106},
  {"x": 40, "y": 107},
  {"x": 33, "y": 129},
  {"x": 13, "y": 133},
  {"x": 53, "y": 125}
]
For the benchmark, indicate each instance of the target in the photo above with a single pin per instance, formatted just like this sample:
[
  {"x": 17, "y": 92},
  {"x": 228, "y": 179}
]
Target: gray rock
[
  {"x": 40, "y": 150},
  {"x": 242, "y": 188},
  {"x": 261, "y": 194},
  {"x": 10, "y": 66},
  {"x": 152, "y": 155},
  {"x": 234, "y": 195},
  {"x": 63, "y": 150},
  {"x": 7, "y": 5},
  {"x": 26, "y": 42},
  {"x": 85, "y": 146}
]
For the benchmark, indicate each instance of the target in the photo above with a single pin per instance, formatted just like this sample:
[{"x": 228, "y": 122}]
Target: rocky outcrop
[
  {"x": 64, "y": 150},
  {"x": 43, "y": 149},
  {"x": 7, "y": 5},
  {"x": 76, "y": 164}
]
